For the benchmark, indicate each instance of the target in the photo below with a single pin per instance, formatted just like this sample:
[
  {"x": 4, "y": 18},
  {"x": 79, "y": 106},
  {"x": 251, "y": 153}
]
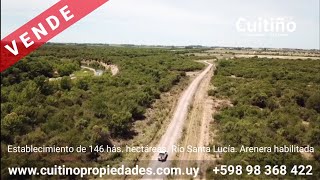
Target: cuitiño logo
[{"x": 266, "y": 26}]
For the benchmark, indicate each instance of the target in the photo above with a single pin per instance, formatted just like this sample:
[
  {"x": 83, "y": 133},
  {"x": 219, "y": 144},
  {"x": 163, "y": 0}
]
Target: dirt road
[
  {"x": 197, "y": 125},
  {"x": 113, "y": 68},
  {"x": 174, "y": 131}
]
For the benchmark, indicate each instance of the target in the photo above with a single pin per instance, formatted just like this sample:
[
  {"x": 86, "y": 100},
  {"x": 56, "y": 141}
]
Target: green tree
[
  {"x": 83, "y": 84},
  {"x": 66, "y": 83}
]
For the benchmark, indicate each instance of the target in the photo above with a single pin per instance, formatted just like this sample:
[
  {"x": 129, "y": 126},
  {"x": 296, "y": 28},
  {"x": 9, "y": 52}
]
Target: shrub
[{"x": 313, "y": 102}]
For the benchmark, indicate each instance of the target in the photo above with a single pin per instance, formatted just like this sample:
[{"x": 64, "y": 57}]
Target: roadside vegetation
[
  {"x": 275, "y": 102},
  {"x": 84, "y": 110}
]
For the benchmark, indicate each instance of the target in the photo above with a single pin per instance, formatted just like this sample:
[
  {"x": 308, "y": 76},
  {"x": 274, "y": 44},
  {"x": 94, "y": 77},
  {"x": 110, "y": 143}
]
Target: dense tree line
[
  {"x": 276, "y": 102},
  {"x": 83, "y": 111}
]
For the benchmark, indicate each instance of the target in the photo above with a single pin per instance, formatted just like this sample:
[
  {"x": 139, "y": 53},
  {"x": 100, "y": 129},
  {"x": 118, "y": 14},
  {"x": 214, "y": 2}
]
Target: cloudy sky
[{"x": 180, "y": 22}]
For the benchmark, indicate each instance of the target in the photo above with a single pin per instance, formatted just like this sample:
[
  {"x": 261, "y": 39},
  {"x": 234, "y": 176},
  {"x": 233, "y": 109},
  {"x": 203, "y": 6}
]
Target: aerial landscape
[
  {"x": 161, "y": 97},
  {"x": 167, "y": 90}
]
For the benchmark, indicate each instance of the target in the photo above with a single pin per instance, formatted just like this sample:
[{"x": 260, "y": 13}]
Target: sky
[{"x": 181, "y": 22}]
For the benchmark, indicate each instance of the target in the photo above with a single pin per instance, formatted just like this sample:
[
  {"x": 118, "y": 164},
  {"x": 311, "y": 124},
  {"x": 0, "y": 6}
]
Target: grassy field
[{"x": 83, "y": 73}]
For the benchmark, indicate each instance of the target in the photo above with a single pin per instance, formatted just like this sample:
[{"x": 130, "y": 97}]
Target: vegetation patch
[{"x": 276, "y": 102}]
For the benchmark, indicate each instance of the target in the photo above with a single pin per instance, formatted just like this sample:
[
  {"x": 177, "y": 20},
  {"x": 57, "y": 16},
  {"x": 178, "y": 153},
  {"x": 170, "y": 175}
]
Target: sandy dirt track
[
  {"x": 196, "y": 131},
  {"x": 174, "y": 130}
]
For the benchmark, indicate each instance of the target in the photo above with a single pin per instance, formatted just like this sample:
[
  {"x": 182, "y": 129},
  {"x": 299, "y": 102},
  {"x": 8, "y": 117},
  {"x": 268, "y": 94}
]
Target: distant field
[
  {"x": 222, "y": 53},
  {"x": 279, "y": 56},
  {"x": 271, "y": 52}
]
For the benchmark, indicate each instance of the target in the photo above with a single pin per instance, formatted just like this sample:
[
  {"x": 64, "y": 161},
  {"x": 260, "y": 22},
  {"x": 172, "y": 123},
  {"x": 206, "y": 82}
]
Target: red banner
[{"x": 44, "y": 27}]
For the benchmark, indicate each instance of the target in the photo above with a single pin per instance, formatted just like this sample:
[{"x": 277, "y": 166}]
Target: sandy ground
[{"x": 175, "y": 128}]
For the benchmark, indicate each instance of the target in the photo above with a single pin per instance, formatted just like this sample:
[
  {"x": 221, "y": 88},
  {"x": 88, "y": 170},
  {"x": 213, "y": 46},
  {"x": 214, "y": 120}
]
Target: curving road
[{"x": 174, "y": 130}]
